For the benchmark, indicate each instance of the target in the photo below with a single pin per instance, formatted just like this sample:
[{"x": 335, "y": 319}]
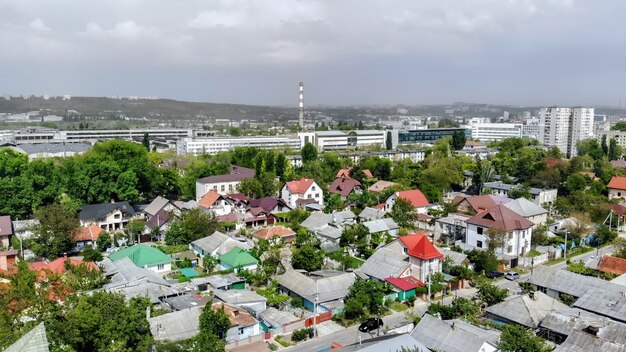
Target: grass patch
[
  {"x": 398, "y": 306},
  {"x": 533, "y": 253},
  {"x": 279, "y": 339}
]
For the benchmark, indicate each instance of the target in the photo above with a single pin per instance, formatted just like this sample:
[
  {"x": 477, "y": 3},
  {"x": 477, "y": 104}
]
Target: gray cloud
[{"x": 347, "y": 52}]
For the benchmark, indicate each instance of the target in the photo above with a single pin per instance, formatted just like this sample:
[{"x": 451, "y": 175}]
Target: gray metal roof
[
  {"x": 236, "y": 297},
  {"x": 186, "y": 301},
  {"x": 53, "y": 148},
  {"x": 565, "y": 321},
  {"x": 525, "y": 208},
  {"x": 609, "y": 338},
  {"x": 568, "y": 282},
  {"x": 372, "y": 214},
  {"x": 35, "y": 340},
  {"x": 507, "y": 187},
  {"x": 610, "y": 304},
  {"x": 132, "y": 281},
  {"x": 381, "y": 225},
  {"x": 277, "y": 318},
  {"x": 176, "y": 326},
  {"x": 456, "y": 257},
  {"x": 100, "y": 211},
  {"x": 384, "y": 263},
  {"x": 157, "y": 204},
  {"x": 328, "y": 288},
  {"x": 394, "y": 344},
  {"x": 217, "y": 239},
  {"x": 442, "y": 336},
  {"x": 525, "y": 310}
]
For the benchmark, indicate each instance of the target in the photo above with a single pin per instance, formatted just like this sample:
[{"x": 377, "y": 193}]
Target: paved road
[{"x": 602, "y": 251}]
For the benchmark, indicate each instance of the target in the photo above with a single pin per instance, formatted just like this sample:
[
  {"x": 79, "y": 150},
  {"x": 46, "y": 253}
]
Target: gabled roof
[
  {"x": 446, "y": 336},
  {"x": 380, "y": 225},
  {"x": 612, "y": 265},
  {"x": 526, "y": 310},
  {"x": 370, "y": 213},
  {"x": 100, "y": 211},
  {"x": 344, "y": 186},
  {"x": 35, "y": 340},
  {"x": 87, "y": 233},
  {"x": 501, "y": 218},
  {"x": 605, "y": 302},
  {"x": 238, "y": 296},
  {"x": 6, "y": 227},
  {"x": 568, "y": 282},
  {"x": 142, "y": 255},
  {"x": 237, "y": 257},
  {"x": 345, "y": 173},
  {"x": 267, "y": 203},
  {"x": 157, "y": 204},
  {"x": 329, "y": 288},
  {"x": 405, "y": 283},
  {"x": 415, "y": 197},
  {"x": 176, "y": 326},
  {"x": 381, "y": 185},
  {"x": 481, "y": 203},
  {"x": 525, "y": 208},
  {"x": 420, "y": 247},
  {"x": 271, "y": 232},
  {"x": 385, "y": 263},
  {"x": 161, "y": 218},
  {"x": 617, "y": 182},
  {"x": 215, "y": 240},
  {"x": 57, "y": 266},
  {"x": 299, "y": 186},
  {"x": 208, "y": 199},
  {"x": 237, "y": 316},
  {"x": 236, "y": 174}
]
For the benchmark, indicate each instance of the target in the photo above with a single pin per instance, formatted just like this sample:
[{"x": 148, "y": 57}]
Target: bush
[
  {"x": 297, "y": 302},
  {"x": 301, "y": 335},
  {"x": 91, "y": 255}
]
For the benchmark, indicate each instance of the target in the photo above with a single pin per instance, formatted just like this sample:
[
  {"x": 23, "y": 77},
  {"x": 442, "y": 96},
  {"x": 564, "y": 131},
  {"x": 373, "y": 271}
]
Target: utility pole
[
  {"x": 378, "y": 321},
  {"x": 566, "y": 231},
  {"x": 430, "y": 272},
  {"x": 315, "y": 312}
]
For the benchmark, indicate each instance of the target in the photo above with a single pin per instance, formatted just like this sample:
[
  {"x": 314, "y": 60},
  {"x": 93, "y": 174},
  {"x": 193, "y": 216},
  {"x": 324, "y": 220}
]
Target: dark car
[
  {"x": 494, "y": 274},
  {"x": 371, "y": 324}
]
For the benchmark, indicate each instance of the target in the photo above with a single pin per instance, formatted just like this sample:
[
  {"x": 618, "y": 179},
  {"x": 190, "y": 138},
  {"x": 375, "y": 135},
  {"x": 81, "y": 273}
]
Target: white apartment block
[
  {"x": 619, "y": 136},
  {"x": 340, "y": 140},
  {"x": 531, "y": 128},
  {"x": 214, "y": 145},
  {"x": 495, "y": 131},
  {"x": 564, "y": 127}
]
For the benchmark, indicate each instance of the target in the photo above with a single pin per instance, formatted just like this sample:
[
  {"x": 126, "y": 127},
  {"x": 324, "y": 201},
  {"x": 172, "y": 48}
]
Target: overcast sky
[{"x": 527, "y": 52}]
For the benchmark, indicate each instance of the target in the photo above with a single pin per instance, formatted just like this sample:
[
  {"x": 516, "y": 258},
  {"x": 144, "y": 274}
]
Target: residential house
[
  {"x": 513, "y": 228},
  {"x": 595, "y": 336},
  {"x": 215, "y": 203},
  {"x": 146, "y": 257},
  {"x": 454, "y": 336},
  {"x": 280, "y": 321},
  {"x": 243, "y": 326},
  {"x": 370, "y": 213},
  {"x": 456, "y": 258},
  {"x": 554, "y": 282},
  {"x": 540, "y": 196},
  {"x": 223, "y": 184},
  {"x": 345, "y": 173},
  {"x": 415, "y": 197},
  {"x": 328, "y": 227},
  {"x": 270, "y": 204},
  {"x": 386, "y": 343},
  {"x": 345, "y": 187},
  {"x": 161, "y": 204},
  {"x": 528, "y": 210},
  {"x": 186, "y": 300},
  {"x": 242, "y": 299},
  {"x": 176, "y": 326},
  {"x": 382, "y": 226},
  {"x": 85, "y": 236},
  {"x": 612, "y": 265},
  {"x": 404, "y": 287},
  {"x": 451, "y": 228},
  {"x": 159, "y": 223},
  {"x": 109, "y": 216},
  {"x": 606, "y": 302},
  {"x": 617, "y": 187},
  {"x": 216, "y": 245},
  {"x": 35, "y": 340},
  {"x": 58, "y": 266},
  {"x": 558, "y": 325},
  {"x": 620, "y": 163},
  {"x": 7, "y": 260},
  {"x": 303, "y": 189},
  {"x": 238, "y": 259},
  {"x": 381, "y": 185},
  {"x": 411, "y": 255},
  {"x": 256, "y": 217},
  {"x": 226, "y": 282},
  {"x": 25, "y": 229},
  {"x": 527, "y": 310},
  {"x": 132, "y": 281},
  {"x": 6, "y": 231},
  {"x": 331, "y": 287},
  {"x": 275, "y": 232},
  {"x": 477, "y": 204}
]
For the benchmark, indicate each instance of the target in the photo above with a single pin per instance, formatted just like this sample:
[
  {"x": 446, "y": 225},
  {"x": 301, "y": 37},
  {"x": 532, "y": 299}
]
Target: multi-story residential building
[
  {"x": 304, "y": 189},
  {"x": 531, "y": 128},
  {"x": 564, "y": 127},
  {"x": 495, "y": 131},
  {"x": 108, "y": 216},
  {"x": 214, "y": 145},
  {"x": 502, "y": 223},
  {"x": 540, "y": 196},
  {"x": 223, "y": 184},
  {"x": 426, "y": 136},
  {"x": 619, "y": 136}
]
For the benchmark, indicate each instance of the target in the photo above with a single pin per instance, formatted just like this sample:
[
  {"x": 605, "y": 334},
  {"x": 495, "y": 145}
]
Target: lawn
[{"x": 398, "y": 306}]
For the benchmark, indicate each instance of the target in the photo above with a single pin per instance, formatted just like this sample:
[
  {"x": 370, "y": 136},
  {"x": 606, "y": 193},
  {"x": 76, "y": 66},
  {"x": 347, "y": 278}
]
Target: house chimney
[
  {"x": 453, "y": 326},
  {"x": 236, "y": 312}
]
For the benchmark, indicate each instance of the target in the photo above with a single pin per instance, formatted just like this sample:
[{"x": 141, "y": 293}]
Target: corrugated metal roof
[
  {"x": 328, "y": 288},
  {"x": 176, "y": 326},
  {"x": 35, "y": 340},
  {"x": 525, "y": 310},
  {"x": 442, "y": 336},
  {"x": 568, "y": 282},
  {"x": 385, "y": 263},
  {"x": 611, "y": 304}
]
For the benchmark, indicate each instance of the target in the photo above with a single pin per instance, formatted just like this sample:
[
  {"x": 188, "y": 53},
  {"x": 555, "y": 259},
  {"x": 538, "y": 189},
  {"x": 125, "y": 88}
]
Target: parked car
[
  {"x": 511, "y": 275},
  {"x": 371, "y": 324},
  {"x": 494, "y": 274}
]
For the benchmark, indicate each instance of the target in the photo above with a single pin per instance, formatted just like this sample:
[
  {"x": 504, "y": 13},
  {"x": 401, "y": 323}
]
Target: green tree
[
  {"x": 214, "y": 321},
  {"x": 458, "y": 140},
  {"x": 460, "y": 307},
  {"x": 615, "y": 151},
  {"x": 55, "y": 233},
  {"x": 104, "y": 241},
  {"x": 334, "y": 203},
  {"x": 605, "y": 235},
  {"x": 308, "y": 258},
  {"x": 193, "y": 224},
  {"x": 520, "y": 192},
  {"x": 146, "y": 141},
  {"x": 403, "y": 213},
  {"x": 309, "y": 153},
  {"x": 91, "y": 255},
  {"x": 388, "y": 141},
  {"x": 252, "y": 188},
  {"x": 483, "y": 260},
  {"x": 491, "y": 294},
  {"x": 353, "y": 233},
  {"x": 364, "y": 297},
  {"x": 517, "y": 338},
  {"x": 133, "y": 230}
]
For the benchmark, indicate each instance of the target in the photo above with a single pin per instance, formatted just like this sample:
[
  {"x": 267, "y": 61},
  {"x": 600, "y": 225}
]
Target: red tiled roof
[
  {"x": 420, "y": 247},
  {"x": 208, "y": 199},
  {"x": 238, "y": 196},
  {"x": 405, "y": 283},
  {"x": 345, "y": 173},
  {"x": 612, "y": 265},
  {"x": 379, "y": 206},
  {"x": 276, "y": 231},
  {"x": 299, "y": 186},
  {"x": 481, "y": 203},
  {"x": 618, "y": 209},
  {"x": 617, "y": 182},
  {"x": 501, "y": 218},
  {"x": 87, "y": 233},
  {"x": 343, "y": 186},
  {"x": 415, "y": 197},
  {"x": 58, "y": 266}
]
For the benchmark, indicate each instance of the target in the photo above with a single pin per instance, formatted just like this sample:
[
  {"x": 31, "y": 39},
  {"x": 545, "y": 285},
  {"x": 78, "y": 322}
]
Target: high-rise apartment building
[{"x": 564, "y": 127}]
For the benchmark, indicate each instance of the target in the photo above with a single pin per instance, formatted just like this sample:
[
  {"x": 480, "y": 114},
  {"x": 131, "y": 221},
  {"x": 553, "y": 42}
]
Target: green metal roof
[
  {"x": 189, "y": 272},
  {"x": 237, "y": 257},
  {"x": 142, "y": 255}
]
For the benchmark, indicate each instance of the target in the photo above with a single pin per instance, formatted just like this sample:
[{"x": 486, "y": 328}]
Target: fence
[
  {"x": 243, "y": 342},
  {"x": 319, "y": 318}
]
